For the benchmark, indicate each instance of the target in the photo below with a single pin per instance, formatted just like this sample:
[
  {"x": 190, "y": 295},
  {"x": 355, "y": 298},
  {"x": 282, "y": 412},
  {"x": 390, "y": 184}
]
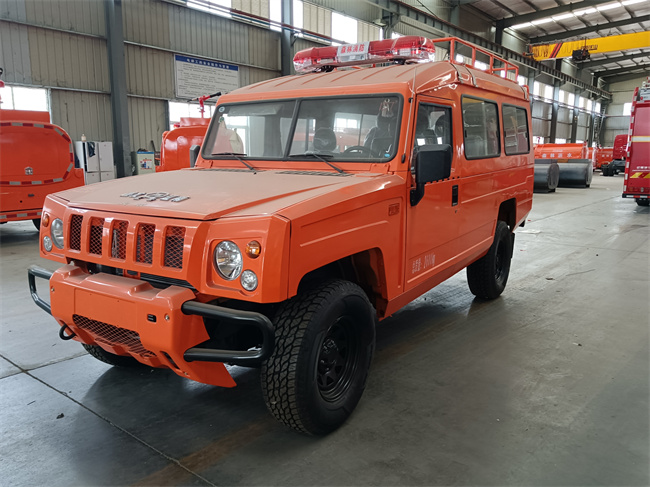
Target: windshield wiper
[
  {"x": 237, "y": 156},
  {"x": 320, "y": 157}
]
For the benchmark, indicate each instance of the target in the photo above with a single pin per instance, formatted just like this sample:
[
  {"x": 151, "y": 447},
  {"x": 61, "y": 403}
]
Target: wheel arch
[
  {"x": 364, "y": 268},
  {"x": 508, "y": 213}
]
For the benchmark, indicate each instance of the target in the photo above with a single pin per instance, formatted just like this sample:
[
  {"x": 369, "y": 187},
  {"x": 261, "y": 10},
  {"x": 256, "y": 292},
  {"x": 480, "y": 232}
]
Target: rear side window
[
  {"x": 515, "y": 130},
  {"x": 481, "y": 128}
]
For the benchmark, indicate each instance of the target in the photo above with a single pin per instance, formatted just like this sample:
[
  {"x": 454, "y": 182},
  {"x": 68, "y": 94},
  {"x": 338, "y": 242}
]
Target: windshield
[{"x": 364, "y": 128}]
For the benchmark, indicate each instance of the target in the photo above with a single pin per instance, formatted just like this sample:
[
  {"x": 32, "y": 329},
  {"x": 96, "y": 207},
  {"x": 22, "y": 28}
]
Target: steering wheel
[{"x": 360, "y": 148}]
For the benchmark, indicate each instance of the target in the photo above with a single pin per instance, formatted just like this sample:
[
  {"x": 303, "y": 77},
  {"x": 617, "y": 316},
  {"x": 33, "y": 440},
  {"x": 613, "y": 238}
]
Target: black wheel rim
[{"x": 337, "y": 359}]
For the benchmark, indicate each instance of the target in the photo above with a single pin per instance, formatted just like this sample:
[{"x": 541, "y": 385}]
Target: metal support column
[
  {"x": 555, "y": 107},
  {"x": 286, "y": 37},
  {"x": 389, "y": 20},
  {"x": 454, "y": 14},
  {"x": 119, "y": 102},
  {"x": 576, "y": 114}
]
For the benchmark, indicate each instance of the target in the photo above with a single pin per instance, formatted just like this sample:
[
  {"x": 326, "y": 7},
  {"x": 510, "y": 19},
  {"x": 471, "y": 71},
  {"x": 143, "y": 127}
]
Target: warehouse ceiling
[{"x": 548, "y": 21}]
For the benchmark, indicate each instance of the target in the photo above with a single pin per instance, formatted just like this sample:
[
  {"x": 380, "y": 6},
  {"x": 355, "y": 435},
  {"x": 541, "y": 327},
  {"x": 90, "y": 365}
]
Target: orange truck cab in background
[
  {"x": 320, "y": 204},
  {"x": 37, "y": 160},
  {"x": 176, "y": 143},
  {"x": 637, "y": 164}
]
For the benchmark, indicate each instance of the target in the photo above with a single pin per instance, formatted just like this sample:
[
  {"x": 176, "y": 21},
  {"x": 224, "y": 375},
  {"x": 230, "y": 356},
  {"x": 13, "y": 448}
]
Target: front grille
[
  {"x": 96, "y": 234},
  {"x": 118, "y": 239},
  {"x": 75, "y": 232},
  {"x": 113, "y": 335},
  {"x": 174, "y": 242},
  {"x": 128, "y": 241},
  {"x": 144, "y": 246}
]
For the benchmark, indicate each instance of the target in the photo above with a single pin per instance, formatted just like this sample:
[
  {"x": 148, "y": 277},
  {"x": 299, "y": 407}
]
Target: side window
[
  {"x": 481, "y": 128},
  {"x": 515, "y": 130},
  {"x": 433, "y": 125}
]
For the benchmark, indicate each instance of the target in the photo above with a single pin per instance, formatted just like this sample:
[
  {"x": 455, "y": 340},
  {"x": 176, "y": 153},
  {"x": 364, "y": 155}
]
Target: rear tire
[
  {"x": 642, "y": 202},
  {"x": 325, "y": 340},
  {"x": 110, "y": 358},
  {"x": 37, "y": 223},
  {"x": 487, "y": 277}
]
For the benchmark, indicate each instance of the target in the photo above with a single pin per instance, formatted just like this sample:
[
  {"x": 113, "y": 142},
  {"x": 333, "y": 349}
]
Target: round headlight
[
  {"x": 248, "y": 280},
  {"x": 47, "y": 243},
  {"x": 228, "y": 260},
  {"x": 57, "y": 233}
]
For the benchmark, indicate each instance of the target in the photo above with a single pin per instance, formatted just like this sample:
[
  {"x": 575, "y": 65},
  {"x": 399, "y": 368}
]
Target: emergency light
[{"x": 411, "y": 49}]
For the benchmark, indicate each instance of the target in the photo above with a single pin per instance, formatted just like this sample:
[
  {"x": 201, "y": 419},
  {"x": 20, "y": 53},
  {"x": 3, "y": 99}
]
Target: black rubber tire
[
  {"x": 110, "y": 358},
  {"x": 607, "y": 170},
  {"x": 642, "y": 202},
  {"x": 37, "y": 223},
  {"x": 324, "y": 342},
  {"x": 487, "y": 277}
]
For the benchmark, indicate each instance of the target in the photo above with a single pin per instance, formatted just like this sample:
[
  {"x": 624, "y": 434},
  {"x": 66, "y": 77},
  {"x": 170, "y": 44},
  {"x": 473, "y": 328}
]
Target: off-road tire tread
[
  {"x": 278, "y": 374},
  {"x": 110, "y": 358},
  {"x": 480, "y": 274}
]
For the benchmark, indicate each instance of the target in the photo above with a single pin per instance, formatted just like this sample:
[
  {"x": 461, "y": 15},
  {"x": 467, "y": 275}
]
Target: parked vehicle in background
[
  {"x": 349, "y": 194},
  {"x": 637, "y": 166},
  {"x": 619, "y": 155},
  {"x": 37, "y": 160},
  {"x": 176, "y": 143},
  {"x": 602, "y": 155},
  {"x": 562, "y": 151}
]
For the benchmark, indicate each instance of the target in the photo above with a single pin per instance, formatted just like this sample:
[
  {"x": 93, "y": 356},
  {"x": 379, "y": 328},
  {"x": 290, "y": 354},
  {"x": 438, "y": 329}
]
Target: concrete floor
[{"x": 547, "y": 385}]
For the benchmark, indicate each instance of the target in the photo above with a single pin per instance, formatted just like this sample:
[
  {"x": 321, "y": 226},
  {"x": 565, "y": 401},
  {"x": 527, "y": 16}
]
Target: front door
[{"x": 432, "y": 225}]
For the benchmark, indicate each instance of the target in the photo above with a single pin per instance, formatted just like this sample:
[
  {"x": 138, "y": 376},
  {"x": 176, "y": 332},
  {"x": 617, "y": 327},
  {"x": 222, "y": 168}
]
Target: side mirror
[
  {"x": 194, "y": 154},
  {"x": 432, "y": 163}
]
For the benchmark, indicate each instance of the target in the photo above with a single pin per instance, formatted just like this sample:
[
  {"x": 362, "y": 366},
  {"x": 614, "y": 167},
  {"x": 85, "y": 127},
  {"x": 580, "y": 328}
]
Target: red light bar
[{"x": 403, "y": 49}]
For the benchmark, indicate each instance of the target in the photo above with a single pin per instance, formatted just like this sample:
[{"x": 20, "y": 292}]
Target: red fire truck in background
[{"x": 637, "y": 166}]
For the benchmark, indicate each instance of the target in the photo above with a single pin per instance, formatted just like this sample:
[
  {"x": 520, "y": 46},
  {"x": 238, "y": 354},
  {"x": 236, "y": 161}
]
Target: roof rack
[{"x": 502, "y": 71}]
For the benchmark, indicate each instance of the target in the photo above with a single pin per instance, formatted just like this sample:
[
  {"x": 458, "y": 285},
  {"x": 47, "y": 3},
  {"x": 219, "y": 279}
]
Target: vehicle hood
[{"x": 206, "y": 194}]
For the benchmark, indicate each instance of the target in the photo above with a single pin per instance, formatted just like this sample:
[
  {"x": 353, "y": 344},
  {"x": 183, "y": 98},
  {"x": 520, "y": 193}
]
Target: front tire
[
  {"x": 642, "y": 202},
  {"x": 487, "y": 277},
  {"x": 110, "y": 358},
  {"x": 324, "y": 344}
]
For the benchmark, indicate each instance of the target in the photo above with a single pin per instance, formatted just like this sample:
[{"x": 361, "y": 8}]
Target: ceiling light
[
  {"x": 521, "y": 26},
  {"x": 563, "y": 17},
  {"x": 609, "y": 6},
  {"x": 631, "y": 2},
  {"x": 542, "y": 21}
]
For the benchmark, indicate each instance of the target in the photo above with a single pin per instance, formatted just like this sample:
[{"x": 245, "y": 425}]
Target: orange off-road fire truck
[
  {"x": 343, "y": 195},
  {"x": 637, "y": 163}
]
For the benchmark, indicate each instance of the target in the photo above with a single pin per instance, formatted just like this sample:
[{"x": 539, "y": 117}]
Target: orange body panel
[
  {"x": 36, "y": 160},
  {"x": 176, "y": 143},
  {"x": 562, "y": 151},
  {"x": 303, "y": 213}
]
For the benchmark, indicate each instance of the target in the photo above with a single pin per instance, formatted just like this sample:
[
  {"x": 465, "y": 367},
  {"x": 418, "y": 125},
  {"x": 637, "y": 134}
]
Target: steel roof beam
[
  {"x": 600, "y": 62},
  {"x": 542, "y": 14},
  {"x": 616, "y": 72},
  {"x": 438, "y": 24},
  {"x": 624, "y": 77},
  {"x": 586, "y": 30}
]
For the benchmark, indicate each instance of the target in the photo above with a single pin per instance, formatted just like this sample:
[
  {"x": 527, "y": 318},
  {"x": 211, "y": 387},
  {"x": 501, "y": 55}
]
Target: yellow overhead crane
[{"x": 580, "y": 50}]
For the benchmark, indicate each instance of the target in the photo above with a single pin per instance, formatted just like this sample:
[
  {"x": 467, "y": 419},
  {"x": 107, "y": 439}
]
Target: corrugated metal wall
[
  {"x": 61, "y": 44},
  {"x": 147, "y": 122},
  {"x": 82, "y": 113}
]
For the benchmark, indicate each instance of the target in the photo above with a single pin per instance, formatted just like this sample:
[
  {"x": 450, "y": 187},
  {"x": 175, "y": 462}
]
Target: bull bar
[{"x": 247, "y": 358}]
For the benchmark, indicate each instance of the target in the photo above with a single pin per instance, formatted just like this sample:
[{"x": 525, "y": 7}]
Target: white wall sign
[{"x": 196, "y": 77}]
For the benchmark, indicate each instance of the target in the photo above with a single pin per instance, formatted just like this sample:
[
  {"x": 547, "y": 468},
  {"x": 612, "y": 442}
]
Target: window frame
[
  {"x": 462, "y": 115},
  {"x": 504, "y": 130},
  {"x": 424, "y": 101}
]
